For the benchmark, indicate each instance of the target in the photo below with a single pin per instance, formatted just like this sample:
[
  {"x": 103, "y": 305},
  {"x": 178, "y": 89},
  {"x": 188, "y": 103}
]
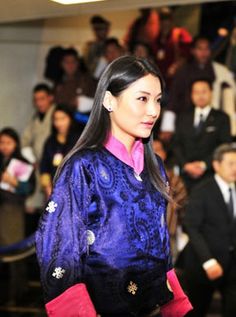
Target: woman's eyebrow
[
  {"x": 148, "y": 93},
  {"x": 143, "y": 92}
]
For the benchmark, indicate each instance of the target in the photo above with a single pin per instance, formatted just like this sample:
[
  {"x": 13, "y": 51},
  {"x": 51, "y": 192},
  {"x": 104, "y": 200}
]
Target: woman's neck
[
  {"x": 124, "y": 138},
  {"x": 61, "y": 137}
]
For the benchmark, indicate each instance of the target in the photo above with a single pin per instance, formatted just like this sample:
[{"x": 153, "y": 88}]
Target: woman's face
[
  {"x": 7, "y": 145},
  {"x": 70, "y": 65},
  {"x": 61, "y": 122},
  {"x": 136, "y": 109}
]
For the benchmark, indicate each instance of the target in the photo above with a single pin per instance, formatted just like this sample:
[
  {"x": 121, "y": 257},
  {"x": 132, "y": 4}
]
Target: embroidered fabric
[{"x": 105, "y": 228}]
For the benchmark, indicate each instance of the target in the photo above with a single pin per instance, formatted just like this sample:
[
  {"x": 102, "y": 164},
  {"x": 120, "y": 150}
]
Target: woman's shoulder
[
  {"x": 85, "y": 156},
  {"x": 20, "y": 158},
  {"x": 50, "y": 141},
  {"x": 80, "y": 162}
]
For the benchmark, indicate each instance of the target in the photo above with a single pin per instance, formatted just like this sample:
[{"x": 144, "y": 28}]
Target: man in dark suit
[
  {"x": 198, "y": 133},
  {"x": 210, "y": 222},
  {"x": 200, "y": 65}
]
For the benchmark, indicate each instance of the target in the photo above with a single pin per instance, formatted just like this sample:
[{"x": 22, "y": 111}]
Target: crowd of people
[{"x": 194, "y": 137}]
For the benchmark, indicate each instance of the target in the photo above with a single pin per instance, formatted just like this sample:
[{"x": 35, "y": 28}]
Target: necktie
[
  {"x": 199, "y": 127},
  {"x": 231, "y": 203}
]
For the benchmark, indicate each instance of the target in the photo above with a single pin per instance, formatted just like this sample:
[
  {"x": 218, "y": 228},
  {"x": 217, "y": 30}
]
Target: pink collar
[{"x": 135, "y": 159}]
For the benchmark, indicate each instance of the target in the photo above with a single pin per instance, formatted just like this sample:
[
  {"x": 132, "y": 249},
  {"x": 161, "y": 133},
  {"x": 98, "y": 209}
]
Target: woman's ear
[{"x": 109, "y": 101}]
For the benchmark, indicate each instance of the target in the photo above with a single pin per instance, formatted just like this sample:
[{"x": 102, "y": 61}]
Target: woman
[
  {"x": 103, "y": 237},
  {"x": 16, "y": 183},
  {"x": 75, "y": 81},
  {"x": 63, "y": 138}
]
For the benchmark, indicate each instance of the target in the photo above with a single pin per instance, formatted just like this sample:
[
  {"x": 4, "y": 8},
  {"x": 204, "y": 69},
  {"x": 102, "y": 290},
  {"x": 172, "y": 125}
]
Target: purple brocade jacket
[{"x": 105, "y": 226}]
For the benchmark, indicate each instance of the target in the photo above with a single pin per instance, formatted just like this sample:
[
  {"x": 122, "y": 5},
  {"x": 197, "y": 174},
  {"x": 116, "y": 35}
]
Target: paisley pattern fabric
[{"x": 105, "y": 227}]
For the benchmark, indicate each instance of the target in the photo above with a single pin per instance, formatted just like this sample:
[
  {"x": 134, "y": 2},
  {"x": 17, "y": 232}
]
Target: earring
[{"x": 109, "y": 109}]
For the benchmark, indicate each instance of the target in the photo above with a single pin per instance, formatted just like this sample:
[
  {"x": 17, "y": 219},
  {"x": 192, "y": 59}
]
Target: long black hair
[
  {"x": 11, "y": 133},
  {"x": 118, "y": 76},
  {"x": 65, "y": 109}
]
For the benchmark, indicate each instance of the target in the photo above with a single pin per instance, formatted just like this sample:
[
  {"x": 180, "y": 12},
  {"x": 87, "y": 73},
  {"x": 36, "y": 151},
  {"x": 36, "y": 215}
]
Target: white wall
[{"x": 19, "y": 48}]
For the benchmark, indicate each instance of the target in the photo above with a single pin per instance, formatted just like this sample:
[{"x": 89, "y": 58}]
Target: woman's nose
[{"x": 153, "y": 109}]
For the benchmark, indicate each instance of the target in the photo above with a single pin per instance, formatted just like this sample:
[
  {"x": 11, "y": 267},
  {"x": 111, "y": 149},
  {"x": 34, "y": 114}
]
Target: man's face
[
  {"x": 226, "y": 168},
  {"x": 201, "y": 94},
  {"x": 166, "y": 25},
  {"x": 42, "y": 101},
  {"x": 202, "y": 52},
  {"x": 101, "y": 31},
  {"x": 112, "y": 52}
]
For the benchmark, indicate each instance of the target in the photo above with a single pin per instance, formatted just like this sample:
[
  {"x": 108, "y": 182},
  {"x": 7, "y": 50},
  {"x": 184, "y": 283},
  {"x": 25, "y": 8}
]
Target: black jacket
[
  {"x": 51, "y": 147},
  {"x": 189, "y": 146},
  {"x": 211, "y": 230}
]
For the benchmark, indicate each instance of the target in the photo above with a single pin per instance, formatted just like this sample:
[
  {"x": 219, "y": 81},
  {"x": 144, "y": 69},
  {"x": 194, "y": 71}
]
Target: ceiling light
[{"x": 75, "y": 1}]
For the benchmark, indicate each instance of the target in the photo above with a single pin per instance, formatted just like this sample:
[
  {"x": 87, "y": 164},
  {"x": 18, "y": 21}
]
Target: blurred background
[{"x": 51, "y": 57}]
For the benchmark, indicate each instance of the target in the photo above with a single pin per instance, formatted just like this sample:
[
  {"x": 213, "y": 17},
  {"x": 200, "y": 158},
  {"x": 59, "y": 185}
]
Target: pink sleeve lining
[
  {"x": 180, "y": 305},
  {"x": 74, "y": 302}
]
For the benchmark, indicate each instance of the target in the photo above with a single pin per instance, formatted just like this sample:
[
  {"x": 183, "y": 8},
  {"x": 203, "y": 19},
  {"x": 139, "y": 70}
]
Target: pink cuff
[
  {"x": 180, "y": 305},
  {"x": 74, "y": 302}
]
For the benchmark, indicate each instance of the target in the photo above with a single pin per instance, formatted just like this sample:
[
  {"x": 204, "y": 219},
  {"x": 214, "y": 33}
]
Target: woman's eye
[
  {"x": 159, "y": 100},
  {"x": 142, "y": 98}
]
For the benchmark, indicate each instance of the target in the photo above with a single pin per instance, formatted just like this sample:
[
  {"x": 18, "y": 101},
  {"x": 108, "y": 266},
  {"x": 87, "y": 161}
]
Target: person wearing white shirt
[
  {"x": 199, "y": 66},
  {"x": 198, "y": 132},
  {"x": 210, "y": 222}
]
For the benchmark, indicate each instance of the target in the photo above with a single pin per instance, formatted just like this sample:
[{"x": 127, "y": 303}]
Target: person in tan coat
[{"x": 35, "y": 135}]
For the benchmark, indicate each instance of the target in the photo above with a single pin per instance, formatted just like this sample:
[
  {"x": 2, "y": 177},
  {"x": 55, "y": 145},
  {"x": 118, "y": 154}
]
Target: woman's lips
[{"x": 148, "y": 124}]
